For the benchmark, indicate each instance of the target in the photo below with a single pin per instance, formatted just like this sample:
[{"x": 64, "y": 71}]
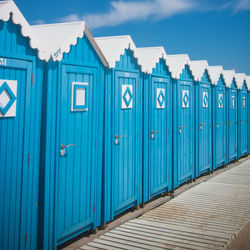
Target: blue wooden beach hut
[
  {"x": 183, "y": 119},
  {"x": 122, "y": 172},
  {"x": 72, "y": 133},
  {"x": 232, "y": 117},
  {"x": 157, "y": 120},
  {"x": 21, "y": 84},
  {"x": 203, "y": 117},
  {"x": 248, "y": 111},
  {"x": 219, "y": 123},
  {"x": 242, "y": 114}
]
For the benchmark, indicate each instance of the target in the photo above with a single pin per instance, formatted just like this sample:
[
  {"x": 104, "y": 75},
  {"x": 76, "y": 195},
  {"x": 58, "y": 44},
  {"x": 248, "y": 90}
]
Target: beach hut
[
  {"x": 219, "y": 123},
  {"x": 232, "y": 117},
  {"x": 183, "y": 119},
  {"x": 242, "y": 114},
  {"x": 157, "y": 119},
  {"x": 21, "y": 84},
  {"x": 72, "y": 133},
  {"x": 122, "y": 188},
  {"x": 203, "y": 117},
  {"x": 248, "y": 111}
]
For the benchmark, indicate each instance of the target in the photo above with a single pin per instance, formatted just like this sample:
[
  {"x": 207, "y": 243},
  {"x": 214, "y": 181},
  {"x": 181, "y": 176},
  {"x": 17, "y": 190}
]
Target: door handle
[
  {"x": 217, "y": 124},
  {"x": 117, "y": 138},
  {"x": 63, "y": 149},
  {"x": 201, "y": 125},
  {"x": 230, "y": 124},
  {"x": 180, "y": 129},
  {"x": 153, "y": 133},
  {"x": 242, "y": 121}
]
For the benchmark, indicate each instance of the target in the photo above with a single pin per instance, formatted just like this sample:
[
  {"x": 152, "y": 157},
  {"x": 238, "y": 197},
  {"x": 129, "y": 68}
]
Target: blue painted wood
[
  {"x": 122, "y": 161},
  {"x": 183, "y": 129},
  {"x": 248, "y": 121},
  {"x": 219, "y": 124},
  {"x": 70, "y": 190},
  {"x": 232, "y": 121},
  {"x": 20, "y": 136},
  {"x": 157, "y": 155},
  {"x": 203, "y": 125},
  {"x": 242, "y": 121}
]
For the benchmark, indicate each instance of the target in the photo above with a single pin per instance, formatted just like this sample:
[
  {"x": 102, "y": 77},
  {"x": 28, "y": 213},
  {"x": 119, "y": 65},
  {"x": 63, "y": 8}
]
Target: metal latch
[
  {"x": 201, "y": 125},
  {"x": 180, "y": 129},
  {"x": 153, "y": 133},
  {"x": 63, "y": 149},
  {"x": 117, "y": 138}
]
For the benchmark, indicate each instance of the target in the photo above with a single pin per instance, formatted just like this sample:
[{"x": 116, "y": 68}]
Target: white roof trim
[
  {"x": 59, "y": 37},
  {"x": 148, "y": 57},
  {"x": 239, "y": 79},
  {"x": 8, "y": 7},
  {"x": 176, "y": 63},
  {"x": 114, "y": 46},
  {"x": 215, "y": 73},
  {"x": 248, "y": 82},
  {"x": 228, "y": 76},
  {"x": 198, "y": 68}
]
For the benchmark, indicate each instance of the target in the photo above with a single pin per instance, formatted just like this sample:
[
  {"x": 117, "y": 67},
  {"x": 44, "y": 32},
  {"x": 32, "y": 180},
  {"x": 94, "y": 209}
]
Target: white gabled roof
[
  {"x": 59, "y": 37},
  {"x": 215, "y": 73},
  {"x": 228, "y": 76},
  {"x": 239, "y": 79},
  {"x": 248, "y": 82},
  {"x": 148, "y": 57},
  {"x": 198, "y": 68},
  {"x": 9, "y": 7},
  {"x": 176, "y": 63},
  {"x": 114, "y": 46}
]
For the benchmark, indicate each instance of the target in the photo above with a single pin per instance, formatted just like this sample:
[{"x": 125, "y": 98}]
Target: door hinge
[
  {"x": 137, "y": 188},
  {"x": 168, "y": 131},
  {"x": 29, "y": 159},
  {"x": 32, "y": 79},
  {"x": 94, "y": 208},
  {"x": 26, "y": 239},
  {"x": 37, "y": 204},
  {"x": 138, "y": 136}
]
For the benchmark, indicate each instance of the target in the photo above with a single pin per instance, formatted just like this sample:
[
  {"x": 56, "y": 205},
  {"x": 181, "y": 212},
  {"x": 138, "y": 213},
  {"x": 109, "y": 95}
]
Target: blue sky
[{"x": 215, "y": 30}]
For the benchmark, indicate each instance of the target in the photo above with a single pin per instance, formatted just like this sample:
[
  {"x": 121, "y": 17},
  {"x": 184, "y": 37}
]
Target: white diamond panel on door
[
  {"x": 160, "y": 98},
  {"x": 205, "y": 99},
  {"x": 8, "y": 96},
  {"x": 185, "y": 98},
  {"x": 220, "y": 101},
  {"x": 127, "y": 96}
]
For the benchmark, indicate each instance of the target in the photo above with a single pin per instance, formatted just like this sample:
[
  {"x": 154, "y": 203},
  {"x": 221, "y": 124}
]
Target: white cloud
[
  {"x": 236, "y": 5},
  {"x": 125, "y": 11},
  {"x": 37, "y": 22}
]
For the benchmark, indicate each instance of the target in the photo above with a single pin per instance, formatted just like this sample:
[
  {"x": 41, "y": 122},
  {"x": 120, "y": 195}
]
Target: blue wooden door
[
  {"x": 124, "y": 168},
  {"x": 185, "y": 131},
  {"x": 232, "y": 125},
  {"x": 219, "y": 123},
  {"x": 76, "y": 171},
  {"x": 204, "y": 128},
  {"x": 18, "y": 176},
  {"x": 158, "y": 149},
  {"x": 242, "y": 150}
]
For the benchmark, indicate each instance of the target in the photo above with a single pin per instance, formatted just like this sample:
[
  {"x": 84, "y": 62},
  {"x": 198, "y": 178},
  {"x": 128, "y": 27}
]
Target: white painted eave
[
  {"x": 198, "y": 68},
  {"x": 248, "y": 82},
  {"x": 176, "y": 63},
  {"x": 59, "y": 37},
  {"x": 8, "y": 9},
  {"x": 214, "y": 73},
  {"x": 239, "y": 79},
  {"x": 148, "y": 57},
  {"x": 113, "y": 47}
]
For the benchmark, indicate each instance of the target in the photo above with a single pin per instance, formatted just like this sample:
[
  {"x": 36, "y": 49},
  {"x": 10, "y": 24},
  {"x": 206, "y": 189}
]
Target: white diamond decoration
[{"x": 4, "y": 99}]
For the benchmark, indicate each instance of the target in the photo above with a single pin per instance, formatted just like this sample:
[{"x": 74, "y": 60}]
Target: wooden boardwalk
[{"x": 207, "y": 216}]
